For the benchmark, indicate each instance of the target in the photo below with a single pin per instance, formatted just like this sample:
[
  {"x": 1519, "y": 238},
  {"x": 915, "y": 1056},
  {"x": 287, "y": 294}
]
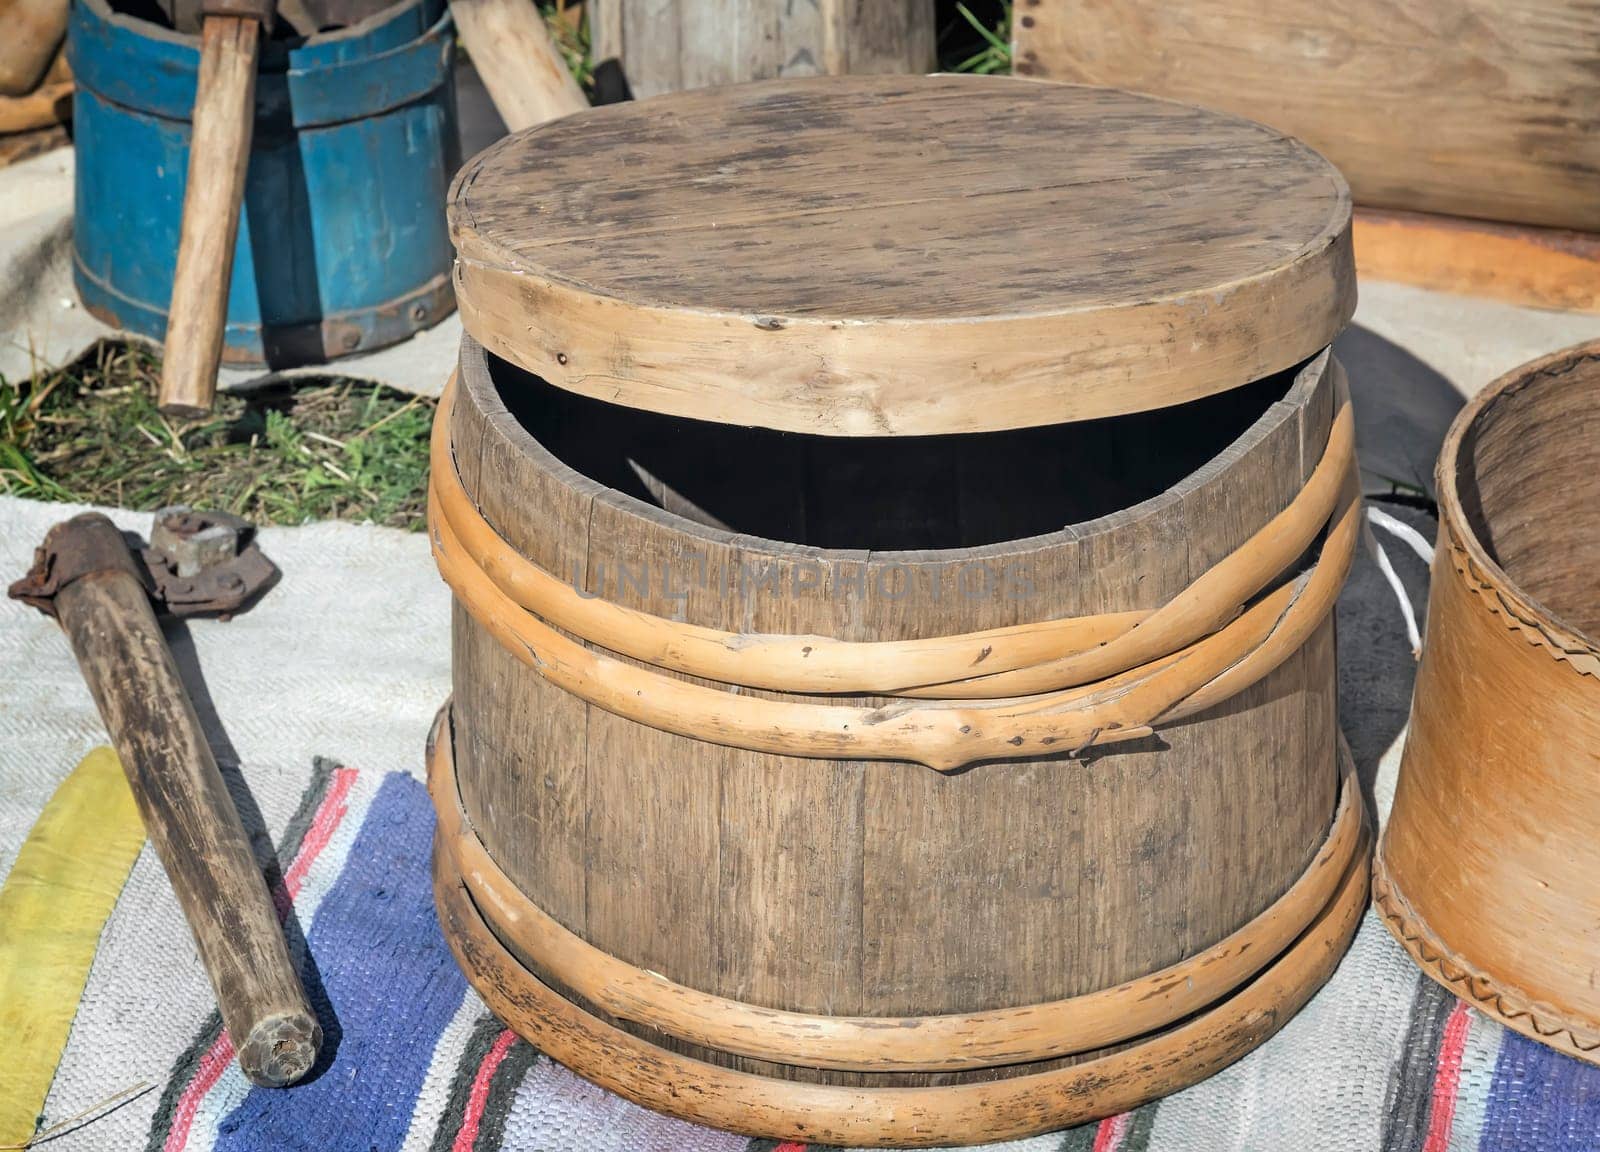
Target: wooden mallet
[{"x": 219, "y": 154}]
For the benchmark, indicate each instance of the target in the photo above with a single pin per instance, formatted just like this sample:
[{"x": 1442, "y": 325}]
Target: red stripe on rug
[
  {"x": 330, "y": 813},
  {"x": 479, "y": 1096},
  {"x": 790, "y": 1146},
  {"x": 217, "y": 1058},
  {"x": 1447, "y": 1080},
  {"x": 212, "y": 1065},
  {"x": 1110, "y": 1133}
]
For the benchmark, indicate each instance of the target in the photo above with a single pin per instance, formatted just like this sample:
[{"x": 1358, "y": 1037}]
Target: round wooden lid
[{"x": 901, "y": 255}]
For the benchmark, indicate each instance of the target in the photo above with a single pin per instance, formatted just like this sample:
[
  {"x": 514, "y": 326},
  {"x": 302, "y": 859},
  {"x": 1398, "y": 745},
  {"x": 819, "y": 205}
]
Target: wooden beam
[{"x": 1534, "y": 267}]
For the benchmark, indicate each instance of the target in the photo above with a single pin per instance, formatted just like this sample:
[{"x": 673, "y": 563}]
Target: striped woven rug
[
  {"x": 1381, "y": 1059},
  {"x": 416, "y": 1064}
]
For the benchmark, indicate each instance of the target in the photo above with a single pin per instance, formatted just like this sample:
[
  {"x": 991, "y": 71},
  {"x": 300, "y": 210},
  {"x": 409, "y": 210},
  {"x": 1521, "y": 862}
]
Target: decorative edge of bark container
[
  {"x": 1494, "y": 777},
  {"x": 1463, "y": 979},
  {"x": 1155, "y": 1065}
]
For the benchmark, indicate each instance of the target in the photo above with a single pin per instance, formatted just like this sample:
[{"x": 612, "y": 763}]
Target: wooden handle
[
  {"x": 521, "y": 67},
  {"x": 189, "y": 817},
  {"x": 219, "y": 153}
]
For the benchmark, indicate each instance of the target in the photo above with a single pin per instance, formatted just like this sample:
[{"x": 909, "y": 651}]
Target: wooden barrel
[
  {"x": 1489, "y": 870},
  {"x": 706, "y": 631}
]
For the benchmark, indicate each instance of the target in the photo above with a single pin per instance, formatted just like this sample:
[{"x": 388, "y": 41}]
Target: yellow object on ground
[{"x": 61, "y": 889}]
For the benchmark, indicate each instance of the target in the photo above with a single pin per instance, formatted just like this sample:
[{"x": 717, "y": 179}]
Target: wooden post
[
  {"x": 219, "y": 154},
  {"x": 668, "y": 45},
  {"x": 522, "y": 68},
  {"x": 98, "y": 594}
]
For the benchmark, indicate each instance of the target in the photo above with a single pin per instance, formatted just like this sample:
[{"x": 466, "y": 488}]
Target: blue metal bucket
[{"x": 342, "y": 240}]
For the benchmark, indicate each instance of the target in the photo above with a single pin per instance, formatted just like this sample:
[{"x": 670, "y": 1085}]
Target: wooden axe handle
[
  {"x": 520, "y": 65},
  {"x": 219, "y": 153},
  {"x": 97, "y": 590}
]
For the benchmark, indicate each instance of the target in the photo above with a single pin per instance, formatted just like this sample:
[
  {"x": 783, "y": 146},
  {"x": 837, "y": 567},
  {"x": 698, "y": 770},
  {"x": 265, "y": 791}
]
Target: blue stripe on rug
[
  {"x": 393, "y": 985},
  {"x": 1541, "y": 1101}
]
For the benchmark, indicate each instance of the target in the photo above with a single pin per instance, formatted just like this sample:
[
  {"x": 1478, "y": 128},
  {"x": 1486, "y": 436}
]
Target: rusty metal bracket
[
  {"x": 204, "y": 563},
  {"x": 196, "y": 564}
]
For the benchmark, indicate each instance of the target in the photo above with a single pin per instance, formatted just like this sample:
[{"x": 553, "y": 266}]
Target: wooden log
[
  {"x": 680, "y": 44},
  {"x": 33, "y": 32},
  {"x": 1450, "y": 106},
  {"x": 1489, "y": 869},
  {"x": 1533, "y": 267},
  {"x": 187, "y": 812},
  {"x": 219, "y": 154},
  {"x": 522, "y": 68}
]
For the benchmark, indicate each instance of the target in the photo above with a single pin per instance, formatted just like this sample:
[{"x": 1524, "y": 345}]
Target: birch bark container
[{"x": 1489, "y": 870}]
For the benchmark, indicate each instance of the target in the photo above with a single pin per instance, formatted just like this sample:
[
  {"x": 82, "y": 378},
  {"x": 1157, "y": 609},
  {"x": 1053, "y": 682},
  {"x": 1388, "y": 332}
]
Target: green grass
[
  {"x": 992, "y": 56},
  {"x": 324, "y": 450},
  {"x": 571, "y": 35}
]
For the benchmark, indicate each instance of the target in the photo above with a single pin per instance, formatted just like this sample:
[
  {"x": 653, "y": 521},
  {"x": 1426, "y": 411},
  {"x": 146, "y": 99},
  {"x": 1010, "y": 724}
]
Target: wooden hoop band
[
  {"x": 966, "y": 1113},
  {"x": 944, "y": 734},
  {"x": 883, "y": 1044},
  {"x": 1019, "y": 660}
]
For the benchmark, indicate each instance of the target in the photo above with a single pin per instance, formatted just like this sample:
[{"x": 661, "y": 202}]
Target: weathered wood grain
[
  {"x": 219, "y": 153},
  {"x": 543, "y": 804},
  {"x": 884, "y": 888},
  {"x": 800, "y": 385},
  {"x": 883, "y": 1044},
  {"x": 667, "y": 45},
  {"x": 1017, "y": 1106},
  {"x": 1533, "y": 267},
  {"x": 187, "y": 812},
  {"x": 788, "y": 255},
  {"x": 522, "y": 68},
  {"x": 1486, "y": 108}
]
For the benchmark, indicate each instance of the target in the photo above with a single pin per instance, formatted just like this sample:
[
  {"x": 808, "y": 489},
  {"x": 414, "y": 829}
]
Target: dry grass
[{"x": 330, "y": 449}]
